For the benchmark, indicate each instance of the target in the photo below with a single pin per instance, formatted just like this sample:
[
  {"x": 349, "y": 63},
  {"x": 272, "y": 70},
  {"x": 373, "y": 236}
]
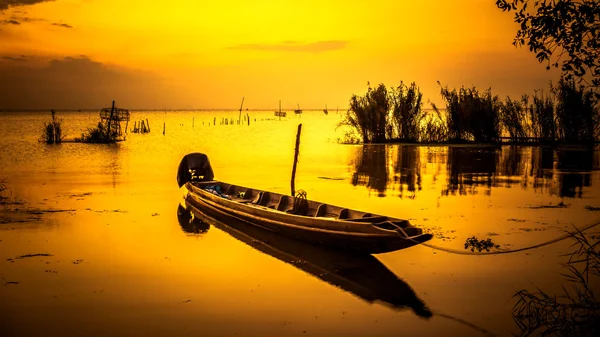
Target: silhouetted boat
[
  {"x": 280, "y": 113},
  {"x": 297, "y": 217},
  {"x": 362, "y": 275},
  {"x": 298, "y": 111}
]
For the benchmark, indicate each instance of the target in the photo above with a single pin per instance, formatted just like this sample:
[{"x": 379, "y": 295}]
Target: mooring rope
[{"x": 461, "y": 252}]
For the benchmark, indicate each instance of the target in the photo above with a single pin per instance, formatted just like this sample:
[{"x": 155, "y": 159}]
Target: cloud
[
  {"x": 21, "y": 58},
  {"x": 78, "y": 82},
  {"x": 62, "y": 25},
  {"x": 10, "y": 22},
  {"x": 5, "y": 4},
  {"x": 296, "y": 46}
]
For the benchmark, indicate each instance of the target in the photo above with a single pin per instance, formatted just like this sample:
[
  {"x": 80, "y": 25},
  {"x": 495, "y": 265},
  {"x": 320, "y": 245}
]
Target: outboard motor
[{"x": 194, "y": 167}]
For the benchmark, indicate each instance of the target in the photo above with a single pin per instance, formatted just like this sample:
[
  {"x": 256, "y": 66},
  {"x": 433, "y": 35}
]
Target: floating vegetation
[
  {"x": 53, "y": 130},
  {"x": 576, "y": 312},
  {"x": 474, "y": 243},
  {"x": 31, "y": 255}
]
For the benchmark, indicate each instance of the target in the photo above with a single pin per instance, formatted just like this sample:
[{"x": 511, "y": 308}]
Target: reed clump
[
  {"x": 99, "y": 134},
  {"x": 368, "y": 115},
  {"x": 577, "y": 112},
  {"x": 577, "y": 311},
  {"x": 471, "y": 116},
  {"x": 382, "y": 115},
  {"x": 568, "y": 114},
  {"x": 542, "y": 117},
  {"x": 406, "y": 113},
  {"x": 53, "y": 130},
  {"x": 513, "y": 118}
]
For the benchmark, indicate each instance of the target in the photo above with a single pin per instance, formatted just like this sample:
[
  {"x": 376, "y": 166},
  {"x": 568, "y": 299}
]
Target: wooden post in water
[
  {"x": 240, "y": 118},
  {"x": 164, "y": 128},
  {"x": 296, "y": 150},
  {"x": 148, "y": 124}
]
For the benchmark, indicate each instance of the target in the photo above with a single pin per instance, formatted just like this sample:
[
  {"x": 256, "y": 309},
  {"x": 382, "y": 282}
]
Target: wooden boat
[
  {"x": 297, "y": 217},
  {"x": 298, "y": 111},
  {"x": 361, "y": 275},
  {"x": 280, "y": 113}
]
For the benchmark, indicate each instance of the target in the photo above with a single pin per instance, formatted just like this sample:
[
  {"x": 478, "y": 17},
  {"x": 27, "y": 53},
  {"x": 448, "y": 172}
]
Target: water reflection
[
  {"x": 363, "y": 276},
  {"x": 371, "y": 169},
  {"x": 188, "y": 224},
  {"x": 470, "y": 170}
]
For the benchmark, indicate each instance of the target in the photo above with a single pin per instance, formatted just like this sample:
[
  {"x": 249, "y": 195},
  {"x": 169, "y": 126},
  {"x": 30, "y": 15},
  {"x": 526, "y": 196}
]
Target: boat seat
[
  {"x": 343, "y": 214},
  {"x": 283, "y": 201},
  {"x": 262, "y": 198},
  {"x": 320, "y": 210},
  {"x": 378, "y": 218}
]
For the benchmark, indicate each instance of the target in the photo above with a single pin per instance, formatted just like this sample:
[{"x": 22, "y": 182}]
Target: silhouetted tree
[{"x": 565, "y": 32}]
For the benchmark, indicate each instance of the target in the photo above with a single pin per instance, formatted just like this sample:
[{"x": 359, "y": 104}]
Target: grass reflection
[{"x": 470, "y": 170}]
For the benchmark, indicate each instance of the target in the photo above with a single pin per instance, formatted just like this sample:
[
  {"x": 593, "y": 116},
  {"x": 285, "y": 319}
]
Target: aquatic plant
[
  {"x": 577, "y": 112},
  {"x": 433, "y": 128},
  {"x": 474, "y": 243},
  {"x": 5, "y": 191},
  {"x": 576, "y": 312},
  {"x": 513, "y": 118},
  {"x": 368, "y": 115},
  {"x": 542, "y": 117},
  {"x": 99, "y": 134},
  {"x": 406, "y": 113},
  {"x": 53, "y": 130},
  {"x": 471, "y": 115}
]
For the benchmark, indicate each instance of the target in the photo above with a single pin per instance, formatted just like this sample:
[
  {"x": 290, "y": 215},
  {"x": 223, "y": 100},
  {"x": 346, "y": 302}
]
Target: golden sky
[{"x": 209, "y": 54}]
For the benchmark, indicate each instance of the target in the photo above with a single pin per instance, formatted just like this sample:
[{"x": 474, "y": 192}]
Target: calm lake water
[{"x": 111, "y": 257}]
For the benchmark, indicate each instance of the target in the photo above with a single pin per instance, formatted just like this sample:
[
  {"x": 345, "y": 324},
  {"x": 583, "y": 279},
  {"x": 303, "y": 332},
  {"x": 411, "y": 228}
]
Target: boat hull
[{"x": 310, "y": 229}]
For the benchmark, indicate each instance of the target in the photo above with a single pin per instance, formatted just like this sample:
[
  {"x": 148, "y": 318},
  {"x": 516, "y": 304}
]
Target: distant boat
[
  {"x": 298, "y": 111},
  {"x": 280, "y": 113}
]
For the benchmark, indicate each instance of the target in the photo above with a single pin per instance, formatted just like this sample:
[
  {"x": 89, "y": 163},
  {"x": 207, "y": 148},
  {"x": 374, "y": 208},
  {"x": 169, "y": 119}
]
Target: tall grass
[
  {"x": 368, "y": 114},
  {"x": 568, "y": 114},
  {"x": 513, "y": 118},
  {"x": 542, "y": 117},
  {"x": 53, "y": 130},
  {"x": 471, "y": 115},
  {"x": 577, "y": 311},
  {"x": 406, "y": 113},
  {"x": 576, "y": 112}
]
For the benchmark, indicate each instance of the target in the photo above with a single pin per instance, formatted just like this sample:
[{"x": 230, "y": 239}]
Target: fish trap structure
[{"x": 113, "y": 117}]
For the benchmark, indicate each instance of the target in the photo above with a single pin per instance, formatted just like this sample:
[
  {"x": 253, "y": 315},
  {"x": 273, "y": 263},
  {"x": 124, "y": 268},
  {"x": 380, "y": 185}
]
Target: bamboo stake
[
  {"x": 296, "y": 150},
  {"x": 148, "y": 124},
  {"x": 240, "y": 118}
]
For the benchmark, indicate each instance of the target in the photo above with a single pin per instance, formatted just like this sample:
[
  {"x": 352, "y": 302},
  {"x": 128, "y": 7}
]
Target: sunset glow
[{"x": 190, "y": 54}]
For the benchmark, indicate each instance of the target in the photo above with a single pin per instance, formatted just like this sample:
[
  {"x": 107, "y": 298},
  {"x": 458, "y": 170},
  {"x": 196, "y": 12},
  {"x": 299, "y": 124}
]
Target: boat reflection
[
  {"x": 188, "y": 224},
  {"x": 469, "y": 170},
  {"x": 363, "y": 276}
]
